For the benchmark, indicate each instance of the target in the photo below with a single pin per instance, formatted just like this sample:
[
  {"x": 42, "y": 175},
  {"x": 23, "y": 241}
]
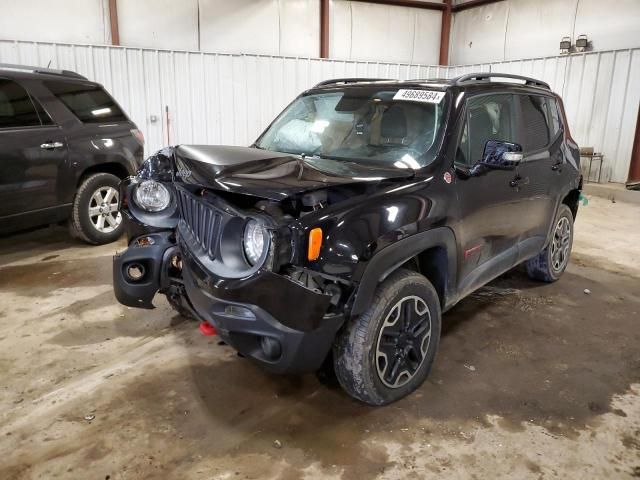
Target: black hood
[{"x": 267, "y": 174}]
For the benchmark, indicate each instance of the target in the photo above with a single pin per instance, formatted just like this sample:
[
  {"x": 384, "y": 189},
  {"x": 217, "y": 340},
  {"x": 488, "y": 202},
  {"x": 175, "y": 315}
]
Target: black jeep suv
[
  {"x": 365, "y": 210},
  {"x": 65, "y": 144}
]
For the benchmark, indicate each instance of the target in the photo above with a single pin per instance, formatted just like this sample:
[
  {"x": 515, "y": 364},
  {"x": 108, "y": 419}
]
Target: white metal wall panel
[
  {"x": 158, "y": 23},
  {"x": 387, "y": 33},
  {"x": 229, "y": 99},
  {"x": 514, "y": 29},
  {"x": 76, "y": 21}
]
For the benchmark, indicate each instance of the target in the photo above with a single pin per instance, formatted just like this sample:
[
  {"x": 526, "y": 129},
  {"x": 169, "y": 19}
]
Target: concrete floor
[{"x": 531, "y": 380}]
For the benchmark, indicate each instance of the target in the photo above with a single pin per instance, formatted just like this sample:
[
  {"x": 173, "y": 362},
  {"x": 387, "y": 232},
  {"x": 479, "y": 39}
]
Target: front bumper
[{"x": 267, "y": 317}]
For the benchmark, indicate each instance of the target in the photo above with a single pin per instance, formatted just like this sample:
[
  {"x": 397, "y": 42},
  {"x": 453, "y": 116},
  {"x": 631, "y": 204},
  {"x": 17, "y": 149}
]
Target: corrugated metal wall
[{"x": 229, "y": 99}]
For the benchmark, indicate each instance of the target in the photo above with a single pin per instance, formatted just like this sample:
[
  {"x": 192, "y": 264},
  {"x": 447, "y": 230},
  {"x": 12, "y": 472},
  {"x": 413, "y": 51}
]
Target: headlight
[
  {"x": 255, "y": 241},
  {"x": 152, "y": 196}
]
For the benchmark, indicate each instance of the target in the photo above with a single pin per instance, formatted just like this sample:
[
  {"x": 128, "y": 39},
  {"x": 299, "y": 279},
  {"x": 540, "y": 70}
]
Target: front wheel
[
  {"x": 95, "y": 218},
  {"x": 549, "y": 264},
  {"x": 387, "y": 352}
]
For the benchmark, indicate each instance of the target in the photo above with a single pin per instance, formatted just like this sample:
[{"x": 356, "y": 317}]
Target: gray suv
[{"x": 65, "y": 144}]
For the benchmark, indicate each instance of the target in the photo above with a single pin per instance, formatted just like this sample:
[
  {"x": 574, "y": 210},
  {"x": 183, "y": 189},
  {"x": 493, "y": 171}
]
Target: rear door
[
  {"x": 33, "y": 153},
  {"x": 536, "y": 172}
]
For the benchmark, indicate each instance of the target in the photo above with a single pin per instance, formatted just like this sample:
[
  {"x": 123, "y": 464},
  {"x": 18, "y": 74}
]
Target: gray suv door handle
[{"x": 51, "y": 145}]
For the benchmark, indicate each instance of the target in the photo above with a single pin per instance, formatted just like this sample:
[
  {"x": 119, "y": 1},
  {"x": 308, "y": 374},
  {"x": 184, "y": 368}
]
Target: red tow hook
[{"x": 207, "y": 329}]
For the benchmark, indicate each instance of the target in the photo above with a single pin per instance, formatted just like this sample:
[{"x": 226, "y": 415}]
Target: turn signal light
[{"x": 315, "y": 242}]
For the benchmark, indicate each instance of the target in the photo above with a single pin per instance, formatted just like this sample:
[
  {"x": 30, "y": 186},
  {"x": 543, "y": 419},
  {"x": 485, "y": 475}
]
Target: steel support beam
[
  {"x": 445, "y": 34},
  {"x": 407, "y": 3},
  {"x": 113, "y": 21},
  {"x": 324, "y": 28},
  {"x": 634, "y": 166},
  {"x": 472, "y": 4}
]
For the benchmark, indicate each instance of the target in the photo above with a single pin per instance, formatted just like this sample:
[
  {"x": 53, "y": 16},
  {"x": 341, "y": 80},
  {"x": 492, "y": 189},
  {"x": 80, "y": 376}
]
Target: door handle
[
  {"x": 557, "y": 167},
  {"x": 51, "y": 145},
  {"x": 519, "y": 181}
]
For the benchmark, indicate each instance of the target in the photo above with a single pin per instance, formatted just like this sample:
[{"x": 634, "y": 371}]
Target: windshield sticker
[{"x": 426, "y": 96}]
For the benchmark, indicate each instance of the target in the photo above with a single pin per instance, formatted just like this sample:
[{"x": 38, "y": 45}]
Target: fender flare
[
  {"x": 576, "y": 184},
  {"x": 392, "y": 257}
]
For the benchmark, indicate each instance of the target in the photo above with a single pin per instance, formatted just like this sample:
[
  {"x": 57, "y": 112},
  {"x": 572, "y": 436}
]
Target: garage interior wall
[
  {"x": 229, "y": 99},
  {"x": 267, "y": 27},
  {"x": 514, "y": 29}
]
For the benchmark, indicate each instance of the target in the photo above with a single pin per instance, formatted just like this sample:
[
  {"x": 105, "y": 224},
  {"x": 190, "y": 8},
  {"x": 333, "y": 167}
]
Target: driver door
[{"x": 488, "y": 205}]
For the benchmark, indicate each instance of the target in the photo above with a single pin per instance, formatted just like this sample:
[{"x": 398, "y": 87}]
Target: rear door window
[
  {"x": 90, "y": 103},
  {"x": 16, "y": 108},
  {"x": 535, "y": 124}
]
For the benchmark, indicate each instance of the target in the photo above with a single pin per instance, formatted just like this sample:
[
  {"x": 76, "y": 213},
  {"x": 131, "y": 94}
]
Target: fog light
[
  {"x": 145, "y": 241},
  {"x": 271, "y": 347},
  {"x": 176, "y": 262},
  {"x": 135, "y": 272}
]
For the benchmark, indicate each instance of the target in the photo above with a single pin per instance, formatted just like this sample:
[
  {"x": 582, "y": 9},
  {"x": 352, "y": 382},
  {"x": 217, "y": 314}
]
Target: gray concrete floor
[{"x": 531, "y": 380}]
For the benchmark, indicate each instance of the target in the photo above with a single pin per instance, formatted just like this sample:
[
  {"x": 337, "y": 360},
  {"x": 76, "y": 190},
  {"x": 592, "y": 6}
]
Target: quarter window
[
  {"x": 489, "y": 117},
  {"x": 90, "y": 103},
  {"x": 535, "y": 133},
  {"x": 16, "y": 107},
  {"x": 554, "y": 113}
]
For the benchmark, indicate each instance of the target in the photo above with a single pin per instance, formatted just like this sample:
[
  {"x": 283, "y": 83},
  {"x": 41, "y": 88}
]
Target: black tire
[
  {"x": 81, "y": 224},
  {"x": 359, "y": 364},
  {"x": 544, "y": 266}
]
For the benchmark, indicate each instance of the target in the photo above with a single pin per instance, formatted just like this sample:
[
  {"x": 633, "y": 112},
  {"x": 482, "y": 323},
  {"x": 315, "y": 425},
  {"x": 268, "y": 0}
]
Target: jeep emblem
[{"x": 183, "y": 172}]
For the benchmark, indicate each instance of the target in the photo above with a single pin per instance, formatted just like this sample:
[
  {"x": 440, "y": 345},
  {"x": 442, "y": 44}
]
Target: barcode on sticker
[{"x": 427, "y": 96}]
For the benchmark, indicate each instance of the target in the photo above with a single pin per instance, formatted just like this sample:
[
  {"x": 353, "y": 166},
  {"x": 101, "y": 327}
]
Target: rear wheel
[
  {"x": 95, "y": 218},
  {"x": 549, "y": 264},
  {"x": 387, "y": 352}
]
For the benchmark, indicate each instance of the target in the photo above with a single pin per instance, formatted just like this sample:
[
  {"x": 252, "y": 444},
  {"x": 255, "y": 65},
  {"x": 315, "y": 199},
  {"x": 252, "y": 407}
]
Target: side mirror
[{"x": 501, "y": 155}]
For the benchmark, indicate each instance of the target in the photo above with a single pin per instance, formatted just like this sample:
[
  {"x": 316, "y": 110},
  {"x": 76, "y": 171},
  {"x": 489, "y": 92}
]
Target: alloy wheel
[
  {"x": 103, "y": 210},
  {"x": 560, "y": 244},
  {"x": 403, "y": 341}
]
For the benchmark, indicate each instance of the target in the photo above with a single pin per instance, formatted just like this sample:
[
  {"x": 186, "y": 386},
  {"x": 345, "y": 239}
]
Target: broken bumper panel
[
  {"x": 266, "y": 317},
  {"x": 141, "y": 271}
]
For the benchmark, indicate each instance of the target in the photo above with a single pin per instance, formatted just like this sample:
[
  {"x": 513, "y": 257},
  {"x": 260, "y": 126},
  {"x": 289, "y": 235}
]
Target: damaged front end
[{"x": 237, "y": 261}]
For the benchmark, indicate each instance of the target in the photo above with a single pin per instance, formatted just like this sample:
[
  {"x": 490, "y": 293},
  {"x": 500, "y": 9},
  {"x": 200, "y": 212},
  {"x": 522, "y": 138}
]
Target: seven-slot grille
[{"x": 201, "y": 220}]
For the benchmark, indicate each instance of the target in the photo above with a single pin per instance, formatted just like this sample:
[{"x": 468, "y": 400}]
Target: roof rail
[
  {"x": 48, "y": 71},
  {"x": 486, "y": 76},
  {"x": 350, "y": 80}
]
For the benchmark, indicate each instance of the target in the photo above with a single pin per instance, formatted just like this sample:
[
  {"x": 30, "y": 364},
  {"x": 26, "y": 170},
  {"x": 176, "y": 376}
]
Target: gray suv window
[
  {"x": 90, "y": 103},
  {"x": 16, "y": 107}
]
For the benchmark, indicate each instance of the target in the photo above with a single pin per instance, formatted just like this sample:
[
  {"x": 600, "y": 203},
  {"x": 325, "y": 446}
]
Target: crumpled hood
[{"x": 268, "y": 174}]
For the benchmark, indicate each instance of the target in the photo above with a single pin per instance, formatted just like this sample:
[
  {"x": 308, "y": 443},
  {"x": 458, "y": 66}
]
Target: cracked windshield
[{"x": 398, "y": 128}]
